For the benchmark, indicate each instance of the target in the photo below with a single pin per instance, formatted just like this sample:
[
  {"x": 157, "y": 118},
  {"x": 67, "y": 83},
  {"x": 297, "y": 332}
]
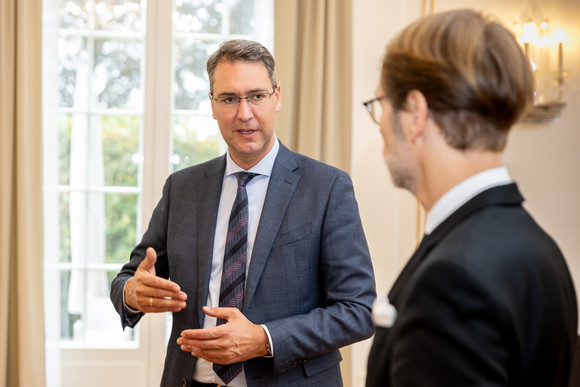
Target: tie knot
[{"x": 244, "y": 178}]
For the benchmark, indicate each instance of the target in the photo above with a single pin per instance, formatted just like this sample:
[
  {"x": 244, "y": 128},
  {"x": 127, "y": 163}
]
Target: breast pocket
[{"x": 294, "y": 235}]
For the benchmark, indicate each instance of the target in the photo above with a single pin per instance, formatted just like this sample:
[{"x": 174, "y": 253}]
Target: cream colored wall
[
  {"x": 542, "y": 158},
  {"x": 388, "y": 214}
]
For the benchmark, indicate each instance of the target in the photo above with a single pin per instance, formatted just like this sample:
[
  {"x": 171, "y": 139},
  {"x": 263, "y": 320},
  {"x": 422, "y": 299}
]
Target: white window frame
[{"x": 141, "y": 363}]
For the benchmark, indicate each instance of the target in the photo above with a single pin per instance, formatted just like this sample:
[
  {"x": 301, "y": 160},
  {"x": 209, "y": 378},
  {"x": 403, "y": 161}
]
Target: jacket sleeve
[
  {"x": 155, "y": 236},
  {"x": 343, "y": 283}
]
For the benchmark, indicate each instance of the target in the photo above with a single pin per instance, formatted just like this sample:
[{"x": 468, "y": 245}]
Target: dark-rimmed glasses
[
  {"x": 231, "y": 102},
  {"x": 375, "y": 108}
]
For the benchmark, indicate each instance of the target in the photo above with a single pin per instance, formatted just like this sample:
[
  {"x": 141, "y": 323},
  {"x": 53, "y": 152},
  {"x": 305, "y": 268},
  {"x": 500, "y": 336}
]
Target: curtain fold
[
  {"x": 313, "y": 51},
  {"x": 312, "y": 44},
  {"x": 22, "y": 360}
]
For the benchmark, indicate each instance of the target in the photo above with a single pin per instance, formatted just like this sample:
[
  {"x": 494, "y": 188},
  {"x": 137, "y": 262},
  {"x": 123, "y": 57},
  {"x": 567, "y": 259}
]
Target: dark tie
[{"x": 234, "y": 266}]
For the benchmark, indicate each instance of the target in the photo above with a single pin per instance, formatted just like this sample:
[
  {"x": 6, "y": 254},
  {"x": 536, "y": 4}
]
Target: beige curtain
[
  {"x": 21, "y": 234},
  {"x": 312, "y": 46}
]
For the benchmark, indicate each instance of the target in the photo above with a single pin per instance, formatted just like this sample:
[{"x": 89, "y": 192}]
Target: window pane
[
  {"x": 67, "y": 319},
  {"x": 241, "y": 16},
  {"x": 73, "y": 68},
  {"x": 117, "y": 75},
  {"x": 191, "y": 84},
  {"x": 121, "y": 226},
  {"x": 87, "y": 227},
  {"x": 87, "y": 315},
  {"x": 74, "y": 14},
  {"x": 64, "y": 136},
  {"x": 64, "y": 227},
  {"x": 198, "y": 16},
  {"x": 119, "y": 15},
  {"x": 101, "y": 325},
  {"x": 121, "y": 149},
  {"x": 196, "y": 138}
]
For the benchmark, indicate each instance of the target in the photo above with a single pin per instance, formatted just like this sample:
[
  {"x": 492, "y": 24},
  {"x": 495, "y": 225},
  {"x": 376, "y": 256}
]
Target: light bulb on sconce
[
  {"x": 560, "y": 37},
  {"x": 541, "y": 47},
  {"x": 529, "y": 37}
]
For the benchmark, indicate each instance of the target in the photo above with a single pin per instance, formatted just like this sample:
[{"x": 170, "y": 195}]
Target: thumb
[{"x": 149, "y": 262}]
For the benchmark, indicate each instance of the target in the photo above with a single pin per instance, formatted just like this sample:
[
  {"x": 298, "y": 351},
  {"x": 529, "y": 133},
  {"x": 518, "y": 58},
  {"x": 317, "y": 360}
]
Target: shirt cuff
[
  {"x": 128, "y": 308},
  {"x": 269, "y": 339}
]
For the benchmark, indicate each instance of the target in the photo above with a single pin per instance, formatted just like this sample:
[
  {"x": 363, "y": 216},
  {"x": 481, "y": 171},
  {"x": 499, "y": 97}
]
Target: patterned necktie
[{"x": 234, "y": 265}]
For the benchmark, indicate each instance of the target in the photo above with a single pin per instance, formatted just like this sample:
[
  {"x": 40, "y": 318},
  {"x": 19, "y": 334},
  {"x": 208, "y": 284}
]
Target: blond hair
[{"x": 471, "y": 70}]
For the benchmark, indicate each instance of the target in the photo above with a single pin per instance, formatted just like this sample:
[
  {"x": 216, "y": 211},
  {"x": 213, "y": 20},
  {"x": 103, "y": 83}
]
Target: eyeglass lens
[{"x": 376, "y": 110}]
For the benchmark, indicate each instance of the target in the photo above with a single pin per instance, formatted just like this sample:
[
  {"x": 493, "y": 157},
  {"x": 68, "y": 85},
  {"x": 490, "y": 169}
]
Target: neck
[{"x": 445, "y": 170}]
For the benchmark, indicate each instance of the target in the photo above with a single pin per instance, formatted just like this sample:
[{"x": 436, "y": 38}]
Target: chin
[{"x": 401, "y": 176}]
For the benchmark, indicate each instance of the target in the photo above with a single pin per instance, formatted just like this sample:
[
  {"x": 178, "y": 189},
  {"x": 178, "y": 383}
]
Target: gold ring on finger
[{"x": 151, "y": 302}]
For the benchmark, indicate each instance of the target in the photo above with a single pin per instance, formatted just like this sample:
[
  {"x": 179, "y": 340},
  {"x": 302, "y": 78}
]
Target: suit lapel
[
  {"x": 208, "y": 196},
  {"x": 501, "y": 195},
  {"x": 281, "y": 188},
  {"x": 424, "y": 247}
]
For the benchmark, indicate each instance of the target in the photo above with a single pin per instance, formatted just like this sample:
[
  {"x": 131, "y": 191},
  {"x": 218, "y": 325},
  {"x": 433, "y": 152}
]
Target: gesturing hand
[
  {"x": 151, "y": 294},
  {"x": 237, "y": 340}
]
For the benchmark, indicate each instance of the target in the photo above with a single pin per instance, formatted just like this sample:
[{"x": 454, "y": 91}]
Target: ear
[
  {"x": 418, "y": 109},
  {"x": 212, "y": 106},
  {"x": 278, "y": 96}
]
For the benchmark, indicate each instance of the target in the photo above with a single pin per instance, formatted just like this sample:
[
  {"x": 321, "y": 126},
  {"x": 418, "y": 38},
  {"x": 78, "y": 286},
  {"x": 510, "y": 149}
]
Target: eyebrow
[{"x": 253, "y": 91}]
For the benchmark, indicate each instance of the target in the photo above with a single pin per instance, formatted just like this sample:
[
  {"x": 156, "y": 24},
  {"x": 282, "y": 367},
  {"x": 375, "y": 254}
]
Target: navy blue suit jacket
[
  {"x": 310, "y": 278},
  {"x": 486, "y": 300}
]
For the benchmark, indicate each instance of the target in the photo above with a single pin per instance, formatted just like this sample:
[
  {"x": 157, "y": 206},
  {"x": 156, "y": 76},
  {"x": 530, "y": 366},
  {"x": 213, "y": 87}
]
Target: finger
[
  {"x": 212, "y": 333},
  {"x": 219, "y": 355},
  {"x": 166, "y": 287},
  {"x": 148, "y": 264},
  {"x": 190, "y": 344},
  {"x": 207, "y": 349},
  {"x": 223, "y": 313},
  {"x": 159, "y": 288},
  {"x": 158, "y": 305},
  {"x": 145, "y": 275}
]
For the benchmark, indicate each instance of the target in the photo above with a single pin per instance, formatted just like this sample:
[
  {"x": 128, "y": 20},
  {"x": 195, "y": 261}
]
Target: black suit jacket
[{"x": 486, "y": 300}]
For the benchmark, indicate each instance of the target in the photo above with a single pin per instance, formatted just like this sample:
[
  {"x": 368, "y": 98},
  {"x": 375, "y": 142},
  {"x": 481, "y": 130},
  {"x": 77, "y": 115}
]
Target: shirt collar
[
  {"x": 264, "y": 167},
  {"x": 462, "y": 193}
]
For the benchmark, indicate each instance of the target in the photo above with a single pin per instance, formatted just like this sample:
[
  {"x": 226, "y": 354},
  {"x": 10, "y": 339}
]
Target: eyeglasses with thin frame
[
  {"x": 375, "y": 108},
  {"x": 231, "y": 102}
]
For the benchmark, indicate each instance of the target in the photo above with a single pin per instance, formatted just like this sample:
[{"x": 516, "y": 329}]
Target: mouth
[{"x": 246, "y": 131}]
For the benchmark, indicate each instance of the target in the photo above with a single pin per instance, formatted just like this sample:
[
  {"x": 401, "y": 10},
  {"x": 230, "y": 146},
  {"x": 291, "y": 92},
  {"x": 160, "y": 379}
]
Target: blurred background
[{"x": 125, "y": 103}]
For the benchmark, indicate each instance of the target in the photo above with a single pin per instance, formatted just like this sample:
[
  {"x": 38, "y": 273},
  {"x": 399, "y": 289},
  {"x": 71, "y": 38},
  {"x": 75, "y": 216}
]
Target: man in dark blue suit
[
  {"x": 487, "y": 298},
  {"x": 308, "y": 285}
]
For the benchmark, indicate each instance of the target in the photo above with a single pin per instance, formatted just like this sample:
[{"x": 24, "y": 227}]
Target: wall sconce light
[{"x": 545, "y": 52}]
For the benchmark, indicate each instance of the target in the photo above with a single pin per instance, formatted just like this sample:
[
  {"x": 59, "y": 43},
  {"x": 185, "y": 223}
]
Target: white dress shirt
[
  {"x": 256, "y": 190},
  {"x": 462, "y": 193}
]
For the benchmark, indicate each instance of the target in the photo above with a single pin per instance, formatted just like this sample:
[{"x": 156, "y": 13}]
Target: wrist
[
  {"x": 127, "y": 297},
  {"x": 267, "y": 343},
  {"x": 268, "y": 347}
]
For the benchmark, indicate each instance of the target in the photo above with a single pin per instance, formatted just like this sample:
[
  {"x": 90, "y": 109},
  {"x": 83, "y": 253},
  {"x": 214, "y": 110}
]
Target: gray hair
[{"x": 240, "y": 50}]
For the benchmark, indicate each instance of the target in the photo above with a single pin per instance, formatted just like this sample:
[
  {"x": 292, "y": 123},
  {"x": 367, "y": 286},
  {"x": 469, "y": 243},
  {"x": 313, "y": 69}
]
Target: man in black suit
[{"x": 487, "y": 298}]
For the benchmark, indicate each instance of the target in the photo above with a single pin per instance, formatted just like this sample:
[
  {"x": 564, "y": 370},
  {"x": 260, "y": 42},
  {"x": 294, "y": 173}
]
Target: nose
[{"x": 245, "y": 112}]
